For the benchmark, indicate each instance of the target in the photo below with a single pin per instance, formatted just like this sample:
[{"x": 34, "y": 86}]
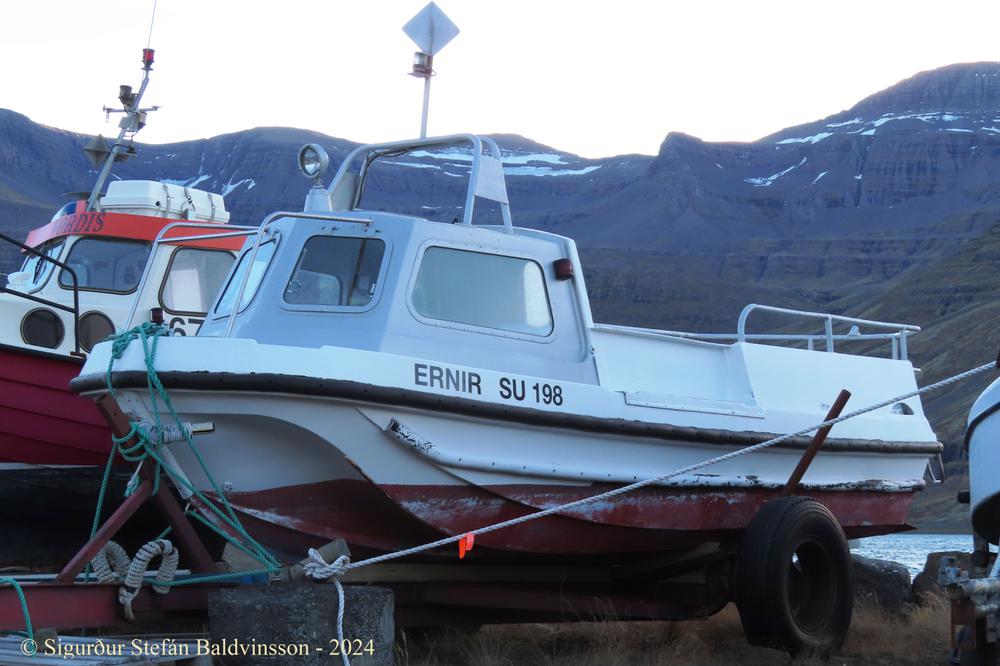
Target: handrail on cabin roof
[{"x": 486, "y": 178}]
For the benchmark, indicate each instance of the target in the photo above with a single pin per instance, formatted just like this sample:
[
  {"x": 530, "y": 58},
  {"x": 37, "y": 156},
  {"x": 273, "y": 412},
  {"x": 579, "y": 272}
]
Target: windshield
[
  {"x": 260, "y": 262},
  {"x": 36, "y": 270},
  {"x": 103, "y": 264},
  {"x": 336, "y": 271}
]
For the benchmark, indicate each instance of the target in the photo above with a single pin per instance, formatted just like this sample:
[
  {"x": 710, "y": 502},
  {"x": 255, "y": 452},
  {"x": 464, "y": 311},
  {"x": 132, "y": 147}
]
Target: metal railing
[
  {"x": 486, "y": 178},
  {"x": 75, "y": 310},
  {"x": 897, "y": 337}
]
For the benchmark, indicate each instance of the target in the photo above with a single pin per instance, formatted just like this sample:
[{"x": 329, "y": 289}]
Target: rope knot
[{"x": 318, "y": 568}]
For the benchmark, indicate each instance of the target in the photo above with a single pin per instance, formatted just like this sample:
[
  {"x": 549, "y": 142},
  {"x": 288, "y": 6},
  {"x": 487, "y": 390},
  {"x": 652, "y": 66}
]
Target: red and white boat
[{"x": 79, "y": 283}]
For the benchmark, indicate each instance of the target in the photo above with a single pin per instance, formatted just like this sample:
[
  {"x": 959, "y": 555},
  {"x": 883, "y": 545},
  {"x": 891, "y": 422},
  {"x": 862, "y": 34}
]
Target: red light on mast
[{"x": 147, "y": 57}]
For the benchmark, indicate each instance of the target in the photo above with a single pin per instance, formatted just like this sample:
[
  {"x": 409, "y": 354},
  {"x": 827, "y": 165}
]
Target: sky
[{"x": 592, "y": 78}]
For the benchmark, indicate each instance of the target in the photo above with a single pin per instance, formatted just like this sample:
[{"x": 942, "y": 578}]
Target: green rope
[
  {"x": 4, "y": 580},
  {"x": 147, "y": 448}
]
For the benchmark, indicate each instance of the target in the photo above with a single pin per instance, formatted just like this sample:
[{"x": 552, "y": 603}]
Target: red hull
[
  {"x": 41, "y": 421},
  {"x": 293, "y": 518}
]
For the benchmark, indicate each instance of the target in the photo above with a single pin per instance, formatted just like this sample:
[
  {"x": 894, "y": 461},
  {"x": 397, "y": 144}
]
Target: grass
[{"x": 875, "y": 639}]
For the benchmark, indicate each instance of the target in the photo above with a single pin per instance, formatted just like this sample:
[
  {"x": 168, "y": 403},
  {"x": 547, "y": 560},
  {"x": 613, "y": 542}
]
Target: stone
[
  {"x": 883, "y": 584},
  {"x": 250, "y": 624},
  {"x": 925, "y": 582}
]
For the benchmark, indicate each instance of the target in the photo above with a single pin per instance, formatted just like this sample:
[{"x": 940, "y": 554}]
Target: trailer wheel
[
  {"x": 984, "y": 654},
  {"x": 794, "y": 582}
]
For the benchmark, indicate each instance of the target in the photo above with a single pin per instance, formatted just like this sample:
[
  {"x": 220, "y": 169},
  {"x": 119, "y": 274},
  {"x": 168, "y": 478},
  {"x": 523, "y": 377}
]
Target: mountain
[{"x": 888, "y": 210}]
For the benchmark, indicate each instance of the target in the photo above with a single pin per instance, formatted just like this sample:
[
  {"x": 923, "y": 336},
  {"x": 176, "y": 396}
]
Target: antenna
[
  {"x": 134, "y": 120},
  {"x": 431, "y": 31}
]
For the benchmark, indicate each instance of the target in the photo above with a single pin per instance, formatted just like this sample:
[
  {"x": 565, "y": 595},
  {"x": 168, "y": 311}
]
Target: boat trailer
[{"x": 424, "y": 594}]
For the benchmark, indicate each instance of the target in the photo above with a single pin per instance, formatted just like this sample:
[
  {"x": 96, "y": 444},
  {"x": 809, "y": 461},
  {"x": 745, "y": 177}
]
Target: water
[{"x": 911, "y": 550}]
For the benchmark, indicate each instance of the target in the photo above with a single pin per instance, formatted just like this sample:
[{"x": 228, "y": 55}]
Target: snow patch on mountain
[
  {"x": 230, "y": 186},
  {"x": 815, "y": 138},
  {"x": 767, "y": 181}
]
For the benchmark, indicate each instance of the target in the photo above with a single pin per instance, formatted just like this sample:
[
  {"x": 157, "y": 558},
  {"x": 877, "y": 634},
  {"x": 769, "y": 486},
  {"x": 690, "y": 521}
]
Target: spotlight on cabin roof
[{"x": 313, "y": 161}]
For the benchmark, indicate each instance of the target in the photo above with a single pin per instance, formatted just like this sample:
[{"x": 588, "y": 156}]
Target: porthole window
[
  {"x": 94, "y": 327},
  {"x": 42, "y": 328}
]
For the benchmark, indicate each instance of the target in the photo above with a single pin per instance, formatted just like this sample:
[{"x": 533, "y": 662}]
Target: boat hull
[
  {"x": 982, "y": 441},
  {"x": 41, "y": 421},
  {"x": 303, "y": 470}
]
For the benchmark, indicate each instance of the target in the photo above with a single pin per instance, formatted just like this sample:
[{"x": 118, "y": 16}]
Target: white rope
[
  {"x": 137, "y": 572},
  {"x": 111, "y": 564},
  {"x": 319, "y": 569}
]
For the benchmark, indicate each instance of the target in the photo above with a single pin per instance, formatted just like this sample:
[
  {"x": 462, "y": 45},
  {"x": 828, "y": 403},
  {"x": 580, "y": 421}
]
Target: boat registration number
[{"x": 466, "y": 381}]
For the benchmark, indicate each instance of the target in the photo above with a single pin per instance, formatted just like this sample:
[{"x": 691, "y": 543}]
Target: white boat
[
  {"x": 981, "y": 435},
  {"x": 454, "y": 370},
  {"x": 390, "y": 379}
]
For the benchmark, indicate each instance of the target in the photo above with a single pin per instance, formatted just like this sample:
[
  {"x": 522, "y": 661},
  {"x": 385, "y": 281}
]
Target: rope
[
  {"x": 319, "y": 569},
  {"x": 148, "y": 441},
  {"x": 111, "y": 564},
  {"x": 137, "y": 573},
  {"x": 147, "y": 446},
  {"x": 4, "y": 580}
]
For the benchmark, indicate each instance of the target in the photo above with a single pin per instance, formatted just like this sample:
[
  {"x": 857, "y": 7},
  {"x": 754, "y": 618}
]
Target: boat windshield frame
[{"x": 264, "y": 232}]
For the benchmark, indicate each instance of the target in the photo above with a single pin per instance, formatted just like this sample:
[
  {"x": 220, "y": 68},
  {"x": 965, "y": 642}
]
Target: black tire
[{"x": 794, "y": 580}]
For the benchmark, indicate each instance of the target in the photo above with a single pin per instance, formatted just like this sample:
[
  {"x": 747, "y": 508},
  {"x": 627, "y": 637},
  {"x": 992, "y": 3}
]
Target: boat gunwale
[{"x": 386, "y": 395}]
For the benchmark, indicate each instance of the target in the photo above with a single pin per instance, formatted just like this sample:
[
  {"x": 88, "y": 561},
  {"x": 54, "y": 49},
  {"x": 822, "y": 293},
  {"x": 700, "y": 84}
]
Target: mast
[{"x": 133, "y": 121}]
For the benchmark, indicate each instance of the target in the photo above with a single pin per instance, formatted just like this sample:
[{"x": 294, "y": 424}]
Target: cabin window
[
  {"x": 336, "y": 271},
  {"x": 489, "y": 290},
  {"x": 104, "y": 264},
  {"x": 37, "y": 270},
  {"x": 260, "y": 263},
  {"x": 193, "y": 279}
]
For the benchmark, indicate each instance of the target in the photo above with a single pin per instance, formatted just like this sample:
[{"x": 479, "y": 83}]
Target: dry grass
[{"x": 875, "y": 639}]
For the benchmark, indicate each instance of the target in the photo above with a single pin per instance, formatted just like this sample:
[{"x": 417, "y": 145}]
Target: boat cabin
[
  {"x": 380, "y": 281},
  {"x": 82, "y": 271}
]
